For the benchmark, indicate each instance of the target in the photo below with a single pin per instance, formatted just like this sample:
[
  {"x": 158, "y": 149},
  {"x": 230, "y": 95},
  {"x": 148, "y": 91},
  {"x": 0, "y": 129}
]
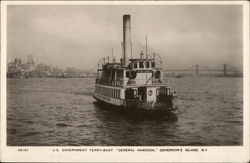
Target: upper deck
[{"x": 137, "y": 72}]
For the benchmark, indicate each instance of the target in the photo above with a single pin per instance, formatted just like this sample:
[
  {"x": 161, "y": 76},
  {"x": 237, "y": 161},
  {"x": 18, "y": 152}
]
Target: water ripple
[{"x": 62, "y": 112}]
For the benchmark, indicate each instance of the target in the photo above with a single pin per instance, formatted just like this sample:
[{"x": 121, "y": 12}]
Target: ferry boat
[{"x": 134, "y": 85}]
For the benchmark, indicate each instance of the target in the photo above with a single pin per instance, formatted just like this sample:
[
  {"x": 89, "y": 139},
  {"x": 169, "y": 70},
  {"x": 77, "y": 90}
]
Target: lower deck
[{"x": 149, "y": 98}]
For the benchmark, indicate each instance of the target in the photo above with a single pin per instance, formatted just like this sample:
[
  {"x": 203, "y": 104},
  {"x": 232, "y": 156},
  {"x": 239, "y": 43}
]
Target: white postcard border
[{"x": 50, "y": 153}]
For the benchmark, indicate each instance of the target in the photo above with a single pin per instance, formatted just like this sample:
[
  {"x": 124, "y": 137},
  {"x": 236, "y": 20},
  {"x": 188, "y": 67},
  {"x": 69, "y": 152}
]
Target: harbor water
[{"x": 62, "y": 112}]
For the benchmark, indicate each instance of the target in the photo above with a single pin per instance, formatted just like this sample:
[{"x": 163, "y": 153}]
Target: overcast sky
[{"x": 77, "y": 36}]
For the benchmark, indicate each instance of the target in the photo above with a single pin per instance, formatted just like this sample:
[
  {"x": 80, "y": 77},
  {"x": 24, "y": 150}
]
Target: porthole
[{"x": 150, "y": 92}]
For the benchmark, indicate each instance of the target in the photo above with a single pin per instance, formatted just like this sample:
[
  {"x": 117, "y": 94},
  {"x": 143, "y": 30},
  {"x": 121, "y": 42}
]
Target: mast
[
  {"x": 146, "y": 58},
  {"x": 131, "y": 51},
  {"x": 146, "y": 47},
  {"x": 112, "y": 59}
]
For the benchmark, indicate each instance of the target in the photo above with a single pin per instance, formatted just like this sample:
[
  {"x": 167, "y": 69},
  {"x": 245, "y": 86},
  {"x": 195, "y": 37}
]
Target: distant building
[
  {"x": 14, "y": 69},
  {"x": 18, "y": 62},
  {"x": 30, "y": 58},
  {"x": 41, "y": 68},
  {"x": 30, "y": 63},
  {"x": 15, "y": 66},
  {"x": 71, "y": 72},
  {"x": 11, "y": 67},
  {"x": 17, "y": 69}
]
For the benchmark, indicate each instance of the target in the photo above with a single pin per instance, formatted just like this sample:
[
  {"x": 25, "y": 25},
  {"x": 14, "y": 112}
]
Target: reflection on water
[
  {"x": 121, "y": 129},
  {"x": 115, "y": 111},
  {"x": 44, "y": 112}
]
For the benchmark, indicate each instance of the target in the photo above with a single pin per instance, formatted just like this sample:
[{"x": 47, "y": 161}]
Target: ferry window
[
  {"x": 127, "y": 74},
  {"x": 153, "y": 64},
  {"x": 168, "y": 92},
  {"x": 100, "y": 73},
  {"x": 113, "y": 74},
  {"x": 141, "y": 65},
  {"x": 147, "y": 64},
  {"x": 119, "y": 74},
  {"x": 135, "y": 65},
  {"x": 135, "y": 92}
]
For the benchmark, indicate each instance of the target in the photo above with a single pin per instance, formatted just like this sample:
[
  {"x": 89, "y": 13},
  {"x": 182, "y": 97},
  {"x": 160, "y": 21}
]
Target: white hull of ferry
[
  {"x": 113, "y": 96},
  {"x": 110, "y": 100}
]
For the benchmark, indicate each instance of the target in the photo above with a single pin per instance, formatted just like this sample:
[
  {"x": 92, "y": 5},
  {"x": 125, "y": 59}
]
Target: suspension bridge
[{"x": 220, "y": 70}]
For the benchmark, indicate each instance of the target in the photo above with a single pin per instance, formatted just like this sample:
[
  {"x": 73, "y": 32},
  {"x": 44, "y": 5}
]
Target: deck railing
[
  {"x": 122, "y": 82},
  {"x": 117, "y": 82}
]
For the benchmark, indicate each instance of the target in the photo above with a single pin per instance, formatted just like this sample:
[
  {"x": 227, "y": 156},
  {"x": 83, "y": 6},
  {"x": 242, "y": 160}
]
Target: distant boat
[
  {"x": 178, "y": 75},
  {"x": 134, "y": 85}
]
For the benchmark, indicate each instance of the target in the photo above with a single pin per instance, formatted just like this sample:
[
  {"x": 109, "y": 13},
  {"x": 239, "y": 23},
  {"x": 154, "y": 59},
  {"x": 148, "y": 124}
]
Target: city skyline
[
  {"x": 30, "y": 60},
  {"x": 21, "y": 69},
  {"x": 78, "y": 36}
]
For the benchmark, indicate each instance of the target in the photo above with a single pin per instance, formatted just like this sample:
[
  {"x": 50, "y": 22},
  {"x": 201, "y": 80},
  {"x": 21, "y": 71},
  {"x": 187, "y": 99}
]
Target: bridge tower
[
  {"x": 196, "y": 69},
  {"x": 225, "y": 69}
]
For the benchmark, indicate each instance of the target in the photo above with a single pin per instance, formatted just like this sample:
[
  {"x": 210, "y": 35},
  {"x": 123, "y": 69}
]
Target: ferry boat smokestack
[{"x": 126, "y": 39}]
